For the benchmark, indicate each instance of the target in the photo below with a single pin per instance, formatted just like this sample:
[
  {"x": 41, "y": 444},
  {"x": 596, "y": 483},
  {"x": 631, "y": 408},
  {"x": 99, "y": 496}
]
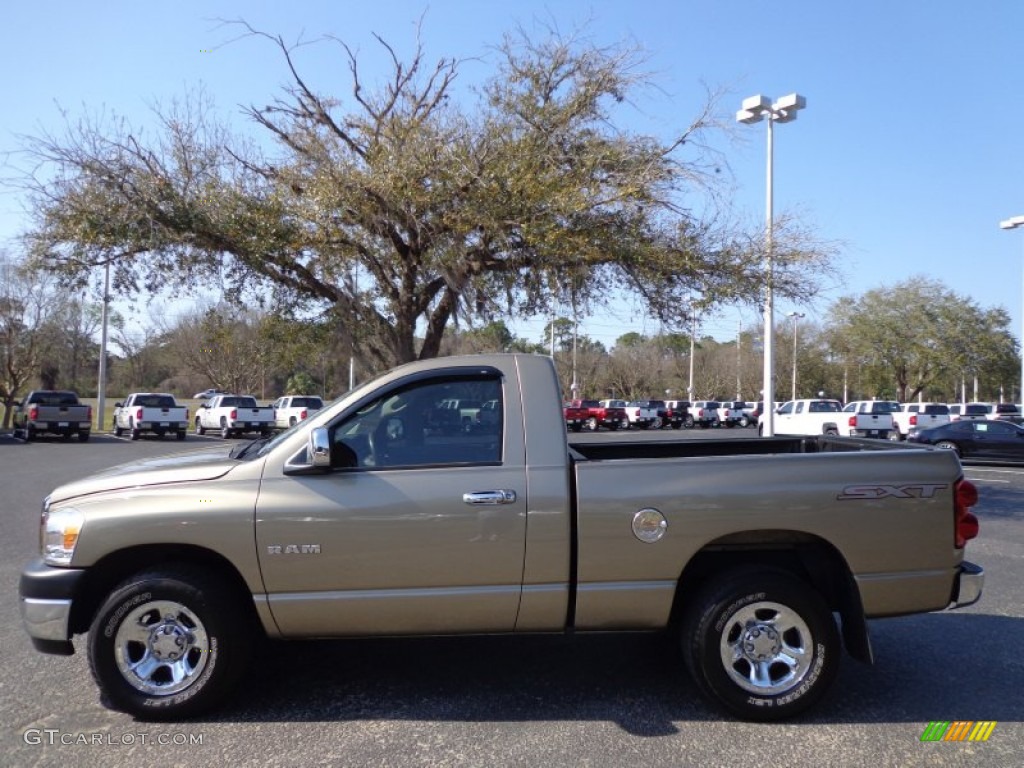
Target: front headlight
[{"x": 59, "y": 534}]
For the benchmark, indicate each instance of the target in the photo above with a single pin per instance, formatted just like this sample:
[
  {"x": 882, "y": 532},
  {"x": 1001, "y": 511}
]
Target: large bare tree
[{"x": 401, "y": 209}]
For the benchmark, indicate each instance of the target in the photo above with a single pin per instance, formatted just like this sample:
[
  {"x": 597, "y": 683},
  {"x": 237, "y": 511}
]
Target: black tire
[
  {"x": 30, "y": 434},
  {"x": 895, "y": 436},
  {"x": 576, "y": 427},
  {"x": 832, "y": 431},
  {"x": 225, "y": 432},
  {"x": 117, "y": 430},
  {"x": 688, "y": 422},
  {"x": 200, "y": 429},
  {"x": 949, "y": 446},
  {"x": 291, "y": 421},
  {"x": 760, "y": 430},
  {"x": 768, "y": 618},
  {"x": 181, "y": 435},
  {"x": 185, "y": 620},
  {"x": 83, "y": 437},
  {"x": 592, "y": 424},
  {"x": 135, "y": 434}
]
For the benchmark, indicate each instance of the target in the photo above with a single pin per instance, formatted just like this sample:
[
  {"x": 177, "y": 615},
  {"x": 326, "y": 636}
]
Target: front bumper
[
  {"x": 46, "y": 596},
  {"x": 968, "y": 585}
]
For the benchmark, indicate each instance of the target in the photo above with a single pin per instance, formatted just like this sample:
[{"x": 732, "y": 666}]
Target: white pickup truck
[
  {"x": 154, "y": 412},
  {"x": 291, "y": 409},
  {"x": 871, "y": 418},
  {"x": 234, "y": 415},
  {"x": 806, "y": 417},
  {"x": 640, "y": 414},
  {"x": 916, "y": 416}
]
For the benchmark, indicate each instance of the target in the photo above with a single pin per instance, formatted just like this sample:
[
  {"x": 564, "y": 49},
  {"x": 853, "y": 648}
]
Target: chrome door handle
[{"x": 489, "y": 497}]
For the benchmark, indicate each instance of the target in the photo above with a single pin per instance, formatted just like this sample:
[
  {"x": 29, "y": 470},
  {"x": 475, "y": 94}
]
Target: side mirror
[
  {"x": 119, "y": 405},
  {"x": 320, "y": 448}
]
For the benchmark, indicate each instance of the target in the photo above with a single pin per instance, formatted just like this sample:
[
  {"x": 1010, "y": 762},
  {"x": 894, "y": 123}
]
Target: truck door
[{"x": 416, "y": 529}]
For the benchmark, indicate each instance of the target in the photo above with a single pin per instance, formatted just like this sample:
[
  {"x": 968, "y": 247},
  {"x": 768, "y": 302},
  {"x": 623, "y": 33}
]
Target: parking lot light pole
[
  {"x": 755, "y": 109},
  {"x": 796, "y": 316},
  {"x": 1013, "y": 223}
]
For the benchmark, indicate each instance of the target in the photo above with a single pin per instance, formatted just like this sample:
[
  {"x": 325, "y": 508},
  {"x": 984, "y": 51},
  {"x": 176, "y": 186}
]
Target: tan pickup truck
[{"x": 370, "y": 519}]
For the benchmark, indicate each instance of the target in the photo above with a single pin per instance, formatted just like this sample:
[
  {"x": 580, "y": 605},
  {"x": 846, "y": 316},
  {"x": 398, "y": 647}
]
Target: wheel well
[
  {"x": 103, "y": 577},
  {"x": 808, "y": 557}
]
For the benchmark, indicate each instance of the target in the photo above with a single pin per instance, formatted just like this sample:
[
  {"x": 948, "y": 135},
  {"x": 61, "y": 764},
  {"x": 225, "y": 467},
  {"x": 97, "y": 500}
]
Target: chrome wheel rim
[
  {"x": 766, "y": 648},
  {"x": 161, "y": 648}
]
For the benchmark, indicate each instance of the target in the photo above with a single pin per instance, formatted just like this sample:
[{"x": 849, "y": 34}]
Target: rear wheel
[
  {"x": 225, "y": 431},
  {"x": 761, "y": 643},
  {"x": 592, "y": 424},
  {"x": 292, "y": 422},
  {"x": 135, "y": 433},
  {"x": 576, "y": 427},
  {"x": 181, "y": 435},
  {"x": 83, "y": 437},
  {"x": 30, "y": 434},
  {"x": 832, "y": 431},
  {"x": 613, "y": 425},
  {"x": 688, "y": 422},
  {"x": 168, "y": 644},
  {"x": 895, "y": 436}
]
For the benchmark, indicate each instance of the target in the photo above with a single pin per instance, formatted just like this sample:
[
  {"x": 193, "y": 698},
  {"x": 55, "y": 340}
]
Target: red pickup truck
[
  {"x": 575, "y": 417},
  {"x": 598, "y": 415}
]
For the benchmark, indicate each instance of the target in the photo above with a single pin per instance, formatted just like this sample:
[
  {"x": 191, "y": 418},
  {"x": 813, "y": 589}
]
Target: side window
[
  {"x": 786, "y": 409},
  {"x": 852, "y": 407},
  {"x": 800, "y": 407},
  {"x": 435, "y": 422}
]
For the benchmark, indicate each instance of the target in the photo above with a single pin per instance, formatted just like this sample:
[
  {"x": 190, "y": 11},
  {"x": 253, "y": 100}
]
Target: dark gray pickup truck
[{"x": 52, "y": 411}]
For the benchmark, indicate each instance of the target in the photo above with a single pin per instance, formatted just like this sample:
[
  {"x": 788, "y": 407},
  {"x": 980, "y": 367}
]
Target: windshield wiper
[{"x": 239, "y": 451}]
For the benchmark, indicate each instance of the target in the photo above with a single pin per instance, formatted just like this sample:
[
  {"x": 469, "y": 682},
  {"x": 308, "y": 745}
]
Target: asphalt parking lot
[{"x": 606, "y": 700}]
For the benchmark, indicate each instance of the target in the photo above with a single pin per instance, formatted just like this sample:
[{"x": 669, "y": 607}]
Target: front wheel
[
  {"x": 949, "y": 446},
  {"x": 117, "y": 430},
  {"x": 225, "y": 430},
  {"x": 200, "y": 429},
  {"x": 168, "y": 644},
  {"x": 761, "y": 643}
]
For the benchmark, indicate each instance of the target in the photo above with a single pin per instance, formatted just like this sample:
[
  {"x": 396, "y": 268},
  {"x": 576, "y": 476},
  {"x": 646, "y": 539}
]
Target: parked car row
[
  {"x": 657, "y": 414},
  {"x": 60, "y": 412}
]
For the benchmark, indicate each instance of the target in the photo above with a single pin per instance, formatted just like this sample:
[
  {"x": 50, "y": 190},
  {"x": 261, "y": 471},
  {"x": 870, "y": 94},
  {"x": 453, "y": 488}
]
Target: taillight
[
  {"x": 138, "y": 415},
  {"x": 33, "y": 413},
  {"x": 913, "y": 420},
  {"x": 965, "y": 496},
  {"x": 186, "y": 414},
  {"x": 853, "y": 421},
  {"x": 302, "y": 415},
  {"x": 234, "y": 414},
  {"x": 88, "y": 413}
]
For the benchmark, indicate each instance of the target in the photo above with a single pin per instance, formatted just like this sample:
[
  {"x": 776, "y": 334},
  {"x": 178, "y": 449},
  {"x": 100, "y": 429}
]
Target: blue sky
[{"x": 910, "y": 151}]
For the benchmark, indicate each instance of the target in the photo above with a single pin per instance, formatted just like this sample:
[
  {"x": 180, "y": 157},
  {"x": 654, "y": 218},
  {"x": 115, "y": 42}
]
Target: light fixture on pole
[
  {"x": 795, "y": 316},
  {"x": 1013, "y": 223},
  {"x": 755, "y": 109}
]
